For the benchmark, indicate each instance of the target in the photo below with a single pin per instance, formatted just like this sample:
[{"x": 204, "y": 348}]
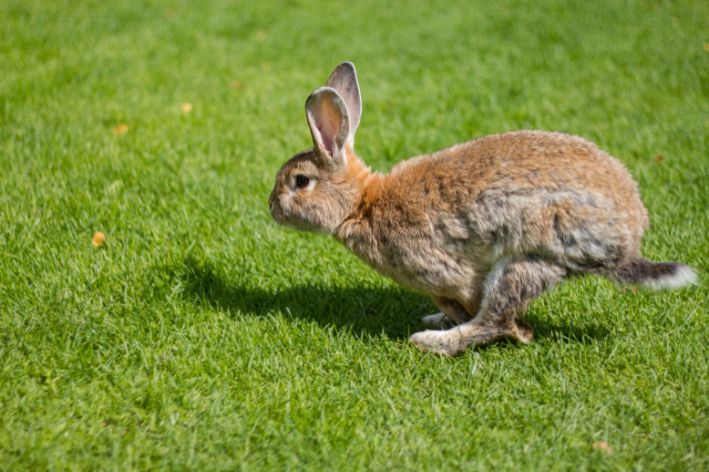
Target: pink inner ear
[{"x": 328, "y": 123}]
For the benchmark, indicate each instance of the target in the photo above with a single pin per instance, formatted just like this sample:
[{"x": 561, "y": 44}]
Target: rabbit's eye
[{"x": 301, "y": 181}]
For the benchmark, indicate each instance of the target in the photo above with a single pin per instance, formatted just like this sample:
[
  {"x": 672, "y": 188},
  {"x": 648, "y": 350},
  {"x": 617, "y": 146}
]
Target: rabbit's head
[{"x": 316, "y": 189}]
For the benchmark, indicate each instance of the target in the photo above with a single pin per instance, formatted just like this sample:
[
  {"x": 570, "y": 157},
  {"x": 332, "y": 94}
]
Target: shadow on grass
[
  {"x": 390, "y": 311},
  {"x": 373, "y": 311},
  {"x": 566, "y": 333}
]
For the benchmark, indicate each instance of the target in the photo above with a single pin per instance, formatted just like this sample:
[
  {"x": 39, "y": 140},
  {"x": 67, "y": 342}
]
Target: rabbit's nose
[{"x": 272, "y": 199}]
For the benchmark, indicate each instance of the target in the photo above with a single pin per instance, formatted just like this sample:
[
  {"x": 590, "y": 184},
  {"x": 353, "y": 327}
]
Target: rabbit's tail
[{"x": 653, "y": 275}]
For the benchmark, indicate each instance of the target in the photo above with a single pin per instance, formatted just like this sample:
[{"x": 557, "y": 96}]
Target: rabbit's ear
[
  {"x": 344, "y": 80},
  {"x": 329, "y": 123}
]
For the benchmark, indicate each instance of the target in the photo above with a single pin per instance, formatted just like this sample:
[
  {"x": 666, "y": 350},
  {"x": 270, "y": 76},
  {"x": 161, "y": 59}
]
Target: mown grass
[{"x": 201, "y": 336}]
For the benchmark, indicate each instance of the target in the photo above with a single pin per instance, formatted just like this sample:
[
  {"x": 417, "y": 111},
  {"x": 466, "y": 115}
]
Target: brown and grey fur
[{"x": 482, "y": 227}]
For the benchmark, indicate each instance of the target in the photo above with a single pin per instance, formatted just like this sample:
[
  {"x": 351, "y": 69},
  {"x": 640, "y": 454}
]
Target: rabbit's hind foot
[
  {"x": 509, "y": 287},
  {"x": 456, "y": 340}
]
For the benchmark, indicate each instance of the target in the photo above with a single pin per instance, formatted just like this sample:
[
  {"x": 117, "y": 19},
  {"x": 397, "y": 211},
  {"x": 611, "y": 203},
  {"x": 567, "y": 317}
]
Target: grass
[{"x": 202, "y": 336}]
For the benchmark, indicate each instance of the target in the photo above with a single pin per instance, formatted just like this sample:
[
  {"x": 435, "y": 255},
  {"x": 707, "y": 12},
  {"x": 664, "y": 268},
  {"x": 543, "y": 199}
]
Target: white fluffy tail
[{"x": 654, "y": 275}]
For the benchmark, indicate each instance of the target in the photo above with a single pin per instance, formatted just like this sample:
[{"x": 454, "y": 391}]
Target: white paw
[
  {"x": 438, "y": 321},
  {"x": 436, "y": 342}
]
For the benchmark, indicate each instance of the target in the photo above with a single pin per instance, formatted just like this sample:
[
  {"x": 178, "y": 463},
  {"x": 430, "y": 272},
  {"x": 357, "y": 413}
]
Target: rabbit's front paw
[
  {"x": 436, "y": 342},
  {"x": 439, "y": 320}
]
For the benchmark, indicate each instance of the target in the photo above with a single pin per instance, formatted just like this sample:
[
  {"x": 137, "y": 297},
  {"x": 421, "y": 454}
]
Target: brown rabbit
[{"x": 482, "y": 227}]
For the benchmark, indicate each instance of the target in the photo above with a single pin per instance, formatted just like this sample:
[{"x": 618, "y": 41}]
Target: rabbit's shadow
[{"x": 363, "y": 311}]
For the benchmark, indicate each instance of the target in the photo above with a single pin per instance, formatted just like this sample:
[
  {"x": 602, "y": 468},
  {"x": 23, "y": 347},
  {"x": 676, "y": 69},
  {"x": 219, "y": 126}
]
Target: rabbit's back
[
  {"x": 441, "y": 218},
  {"x": 516, "y": 162}
]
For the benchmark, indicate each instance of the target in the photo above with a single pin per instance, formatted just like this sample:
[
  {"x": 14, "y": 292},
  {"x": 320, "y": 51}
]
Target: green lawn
[{"x": 202, "y": 336}]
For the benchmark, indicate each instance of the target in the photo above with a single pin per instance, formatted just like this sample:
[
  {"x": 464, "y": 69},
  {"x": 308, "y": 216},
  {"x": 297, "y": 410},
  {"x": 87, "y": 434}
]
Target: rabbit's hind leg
[{"x": 509, "y": 287}]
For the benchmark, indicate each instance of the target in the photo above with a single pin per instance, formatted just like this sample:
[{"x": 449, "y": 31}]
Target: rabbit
[{"x": 482, "y": 227}]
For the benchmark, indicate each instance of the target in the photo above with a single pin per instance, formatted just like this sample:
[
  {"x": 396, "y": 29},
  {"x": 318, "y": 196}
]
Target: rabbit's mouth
[
  {"x": 295, "y": 222},
  {"x": 280, "y": 217}
]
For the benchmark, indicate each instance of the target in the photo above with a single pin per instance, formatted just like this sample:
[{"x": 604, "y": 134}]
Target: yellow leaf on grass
[
  {"x": 121, "y": 129},
  {"x": 603, "y": 447},
  {"x": 706, "y": 47},
  {"x": 186, "y": 107},
  {"x": 99, "y": 239}
]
